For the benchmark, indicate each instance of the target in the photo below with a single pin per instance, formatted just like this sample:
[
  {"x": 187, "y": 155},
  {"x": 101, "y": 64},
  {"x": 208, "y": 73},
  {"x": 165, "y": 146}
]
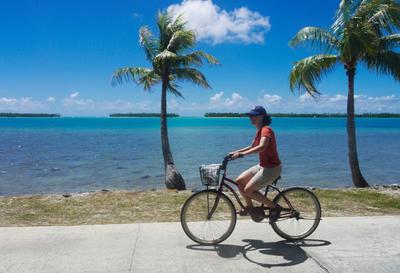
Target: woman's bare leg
[
  {"x": 251, "y": 191},
  {"x": 242, "y": 180}
]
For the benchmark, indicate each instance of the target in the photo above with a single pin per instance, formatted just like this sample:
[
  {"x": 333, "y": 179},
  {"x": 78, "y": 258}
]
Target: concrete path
[{"x": 346, "y": 244}]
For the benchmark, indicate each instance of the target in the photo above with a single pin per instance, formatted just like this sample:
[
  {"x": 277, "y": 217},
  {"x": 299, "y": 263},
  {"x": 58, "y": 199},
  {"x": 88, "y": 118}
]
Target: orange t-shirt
[{"x": 269, "y": 157}]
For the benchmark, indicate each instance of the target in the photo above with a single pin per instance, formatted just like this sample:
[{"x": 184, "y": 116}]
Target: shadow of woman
[{"x": 289, "y": 251}]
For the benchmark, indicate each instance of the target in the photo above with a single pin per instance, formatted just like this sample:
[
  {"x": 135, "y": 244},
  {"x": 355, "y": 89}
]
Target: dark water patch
[
  {"x": 137, "y": 158},
  {"x": 145, "y": 177}
]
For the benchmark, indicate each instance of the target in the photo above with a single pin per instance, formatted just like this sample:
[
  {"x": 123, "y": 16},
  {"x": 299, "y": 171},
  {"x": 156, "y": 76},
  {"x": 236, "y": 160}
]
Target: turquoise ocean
[{"x": 57, "y": 155}]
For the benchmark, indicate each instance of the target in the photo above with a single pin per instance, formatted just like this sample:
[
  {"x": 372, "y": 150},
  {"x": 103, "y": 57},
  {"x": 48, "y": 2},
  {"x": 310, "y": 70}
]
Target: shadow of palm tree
[{"x": 289, "y": 251}]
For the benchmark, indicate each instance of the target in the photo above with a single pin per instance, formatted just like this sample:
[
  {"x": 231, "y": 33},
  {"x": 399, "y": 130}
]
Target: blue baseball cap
[{"x": 256, "y": 111}]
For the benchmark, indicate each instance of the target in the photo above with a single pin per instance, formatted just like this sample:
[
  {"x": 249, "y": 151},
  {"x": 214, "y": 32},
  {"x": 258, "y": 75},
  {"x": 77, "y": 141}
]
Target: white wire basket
[{"x": 209, "y": 174}]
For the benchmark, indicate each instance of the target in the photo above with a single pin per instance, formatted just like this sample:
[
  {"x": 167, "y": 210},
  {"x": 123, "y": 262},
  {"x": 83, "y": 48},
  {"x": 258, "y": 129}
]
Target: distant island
[
  {"x": 142, "y": 115},
  {"x": 306, "y": 115},
  {"x": 29, "y": 115}
]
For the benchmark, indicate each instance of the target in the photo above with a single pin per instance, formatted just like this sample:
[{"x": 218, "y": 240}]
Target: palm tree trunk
[
  {"x": 358, "y": 179},
  {"x": 173, "y": 179}
]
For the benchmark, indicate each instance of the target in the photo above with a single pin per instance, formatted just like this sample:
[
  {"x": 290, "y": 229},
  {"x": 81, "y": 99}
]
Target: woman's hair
[{"x": 267, "y": 120}]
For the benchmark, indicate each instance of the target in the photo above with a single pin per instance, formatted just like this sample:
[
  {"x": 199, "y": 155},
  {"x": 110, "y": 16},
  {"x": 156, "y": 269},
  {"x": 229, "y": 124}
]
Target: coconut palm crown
[
  {"x": 172, "y": 60},
  {"x": 364, "y": 32}
]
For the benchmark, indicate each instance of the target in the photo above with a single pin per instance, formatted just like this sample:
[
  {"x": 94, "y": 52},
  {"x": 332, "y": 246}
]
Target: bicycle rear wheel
[
  {"x": 208, "y": 218},
  {"x": 300, "y": 216}
]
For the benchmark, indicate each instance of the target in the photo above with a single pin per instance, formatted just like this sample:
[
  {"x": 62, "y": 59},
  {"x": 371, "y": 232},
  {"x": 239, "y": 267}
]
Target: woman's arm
[
  {"x": 251, "y": 150},
  {"x": 261, "y": 146},
  {"x": 241, "y": 150}
]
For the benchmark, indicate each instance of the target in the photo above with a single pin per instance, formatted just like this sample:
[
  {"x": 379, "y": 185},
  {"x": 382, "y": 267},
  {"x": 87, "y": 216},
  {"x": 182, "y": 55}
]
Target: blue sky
[{"x": 58, "y": 56}]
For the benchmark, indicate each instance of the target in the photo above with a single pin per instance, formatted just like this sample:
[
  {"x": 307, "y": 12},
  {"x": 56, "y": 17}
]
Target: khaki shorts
[{"x": 263, "y": 177}]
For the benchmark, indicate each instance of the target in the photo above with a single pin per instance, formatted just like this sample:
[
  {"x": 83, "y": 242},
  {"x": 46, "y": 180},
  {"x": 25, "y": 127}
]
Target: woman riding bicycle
[
  {"x": 264, "y": 173},
  {"x": 209, "y": 216}
]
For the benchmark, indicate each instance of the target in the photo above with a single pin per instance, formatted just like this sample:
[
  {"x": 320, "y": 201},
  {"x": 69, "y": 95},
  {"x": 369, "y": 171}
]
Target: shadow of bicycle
[{"x": 289, "y": 252}]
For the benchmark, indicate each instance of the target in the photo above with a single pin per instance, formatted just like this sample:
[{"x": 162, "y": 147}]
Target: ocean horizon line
[{"x": 295, "y": 115}]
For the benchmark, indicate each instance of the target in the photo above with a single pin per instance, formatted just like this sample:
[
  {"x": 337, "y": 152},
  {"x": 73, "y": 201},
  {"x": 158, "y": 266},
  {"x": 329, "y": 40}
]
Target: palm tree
[
  {"x": 364, "y": 31},
  {"x": 172, "y": 59}
]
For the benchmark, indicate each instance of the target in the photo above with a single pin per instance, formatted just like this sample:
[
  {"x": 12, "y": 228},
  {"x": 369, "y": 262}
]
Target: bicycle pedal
[
  {"x": 257, "y": 218},
  {"x": 242, "y": 213}
]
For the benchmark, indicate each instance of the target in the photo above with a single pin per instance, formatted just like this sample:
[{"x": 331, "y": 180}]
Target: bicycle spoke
[
  {"x": 220, "y": 223},
  {"x": 301, "y": 218}
]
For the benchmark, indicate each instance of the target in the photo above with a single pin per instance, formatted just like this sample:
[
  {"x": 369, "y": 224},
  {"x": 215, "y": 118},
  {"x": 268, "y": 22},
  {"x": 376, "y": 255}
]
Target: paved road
[{"x": 342, "y": 244}]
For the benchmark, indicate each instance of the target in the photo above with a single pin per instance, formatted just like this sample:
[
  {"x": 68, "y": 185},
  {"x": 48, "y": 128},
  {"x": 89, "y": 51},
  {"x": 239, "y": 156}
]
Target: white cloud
[
  {"x": 305, "y": 103},
  {"x": 235, "y": 100},
  {"x": 51, "y": 99},
  {"x": 271, "y": 99},
  {"x": 23, "y": 104},
  {"x": 338, "y": 103},
  {"x": 221, "y": 102},
  {"x": 124, "y": 106},
  {"x": 8, "y": 101},
  {"x": 306, "y": 97},
  {"x": 216, "y": 25},
  {"x": 384, "y": 98},
  {"x": 74, "y": 95},
  {"x": 301, "y": 104},
  {"x": 215, "y": 99},
  {"x": 136, "y": 15},
  {"x": 389, "y": 103},
  {"x": 75, "y": 103},
  {"x": 337, "y": 98}
]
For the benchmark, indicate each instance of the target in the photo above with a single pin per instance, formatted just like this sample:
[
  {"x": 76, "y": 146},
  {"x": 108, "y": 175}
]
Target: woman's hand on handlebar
[{"x": 235, "y": 155}]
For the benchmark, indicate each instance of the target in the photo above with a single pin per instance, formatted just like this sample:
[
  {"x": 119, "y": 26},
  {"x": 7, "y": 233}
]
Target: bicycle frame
[{"x": 223, "y": 185}]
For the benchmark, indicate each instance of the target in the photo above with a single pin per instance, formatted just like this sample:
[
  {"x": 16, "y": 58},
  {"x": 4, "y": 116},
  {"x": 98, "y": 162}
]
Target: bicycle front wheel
[
  {"x": 300, "y": 216},
  {"x": 208, "y": 217}
]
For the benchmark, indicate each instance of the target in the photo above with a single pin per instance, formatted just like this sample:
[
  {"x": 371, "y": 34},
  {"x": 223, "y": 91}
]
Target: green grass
[
  {"x": 162, "y": 206},
  {"x": 358, "y": 202}
]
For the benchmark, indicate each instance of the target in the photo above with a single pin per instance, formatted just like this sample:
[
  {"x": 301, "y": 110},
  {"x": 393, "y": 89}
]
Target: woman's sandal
[{"x": 274, "y": 214}]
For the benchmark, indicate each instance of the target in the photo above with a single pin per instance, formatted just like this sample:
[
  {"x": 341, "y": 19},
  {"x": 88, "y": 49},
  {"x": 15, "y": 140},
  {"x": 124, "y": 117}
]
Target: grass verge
[{"x": 163, "y": 206}]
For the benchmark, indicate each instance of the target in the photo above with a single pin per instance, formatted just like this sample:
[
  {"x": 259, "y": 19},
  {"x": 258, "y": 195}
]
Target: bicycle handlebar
[{"x": 226, "y": 159}]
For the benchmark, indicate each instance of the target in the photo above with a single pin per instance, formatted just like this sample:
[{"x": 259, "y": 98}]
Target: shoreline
[
  {"x": 141, "y": 206},
  {"x": 200, "y": 116},
  {"x": 395, "y": 187}
]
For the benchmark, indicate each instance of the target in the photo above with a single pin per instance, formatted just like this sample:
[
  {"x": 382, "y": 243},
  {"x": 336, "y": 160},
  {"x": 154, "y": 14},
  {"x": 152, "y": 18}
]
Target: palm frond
[
  {"x": 343, "y": 15},
  {"x": 173, "y": 88},
  {"x": 181, "y": 39},
  {"x": 315, "y": 37},
  {"x": 390, "y": 42},
  {"x": 307, "y": 72},
  {"x": 360, "y": 39},
  {"x": 164, "y": 60},
  {"x": 385, "y": 15},
  {"x": 387, "y": 62},
  {"x": 163, "y": 22},
  {"x": 128, "y": 74},
  {"x": 196, "y": 58},
  {"x": 191, "y": 74},
  {"x": 148, "y": 42},
  {"x": 165, "y": 55},
  {"x": 177, "y": 24},
  {"x": 148, "y": 80}
]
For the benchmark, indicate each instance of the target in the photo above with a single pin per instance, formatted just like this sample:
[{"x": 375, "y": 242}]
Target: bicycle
[{"x": 209, "y": 217}]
